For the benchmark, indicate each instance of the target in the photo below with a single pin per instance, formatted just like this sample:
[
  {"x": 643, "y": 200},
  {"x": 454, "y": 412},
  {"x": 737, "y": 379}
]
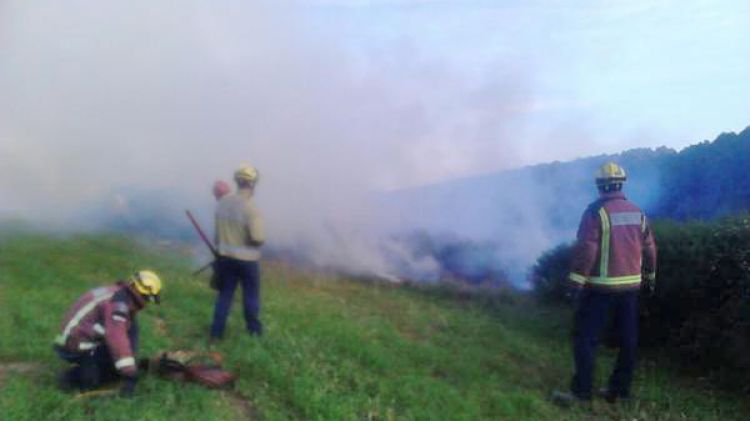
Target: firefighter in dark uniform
[
  {"x": 99, "y": 334},
  {"x": 615, "y": 247}
]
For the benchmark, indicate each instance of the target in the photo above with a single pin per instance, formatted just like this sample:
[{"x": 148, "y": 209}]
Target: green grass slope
[{"x": 335, "y": 349}]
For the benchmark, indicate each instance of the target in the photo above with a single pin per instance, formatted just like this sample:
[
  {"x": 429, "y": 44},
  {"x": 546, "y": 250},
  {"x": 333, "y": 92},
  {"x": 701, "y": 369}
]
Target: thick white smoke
[{"x": 102, "y": 101}]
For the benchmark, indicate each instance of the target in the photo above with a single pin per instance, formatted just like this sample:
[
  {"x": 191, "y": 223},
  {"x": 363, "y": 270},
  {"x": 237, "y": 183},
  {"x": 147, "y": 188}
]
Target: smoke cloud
[{"x": 116, "y": 108}]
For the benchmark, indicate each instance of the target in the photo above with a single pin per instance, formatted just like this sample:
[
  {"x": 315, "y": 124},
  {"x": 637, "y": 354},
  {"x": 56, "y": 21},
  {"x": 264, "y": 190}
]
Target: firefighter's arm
[
  {"x": 255, "y": 229},
  {"x": 586, "y": 249},
  {"x": 116, "y": 324},
  {"x": 649, "y": 252}
]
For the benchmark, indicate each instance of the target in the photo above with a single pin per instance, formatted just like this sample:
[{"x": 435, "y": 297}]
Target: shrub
[
  {"x": 701, "y": 309},
  {"x": 550, "y": 273}
]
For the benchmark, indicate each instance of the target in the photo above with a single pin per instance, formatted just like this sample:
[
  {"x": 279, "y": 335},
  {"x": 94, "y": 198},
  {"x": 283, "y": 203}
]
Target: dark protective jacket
[
  {"x": 615, "y": 245},
  {"x": 102, "y": 317}
]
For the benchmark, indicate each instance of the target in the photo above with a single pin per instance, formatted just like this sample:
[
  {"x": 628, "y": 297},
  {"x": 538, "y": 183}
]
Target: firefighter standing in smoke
[
  {"x": 239, "y": 235},
  {"x": 615, "y": 246},
  {"x": 100, "y": 334}
]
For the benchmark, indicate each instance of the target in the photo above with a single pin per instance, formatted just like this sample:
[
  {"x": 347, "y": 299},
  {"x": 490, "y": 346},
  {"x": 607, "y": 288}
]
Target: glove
[
  {"x": 215, "y": 281},
  {"x": 144, "y": 364},
  {"x": 128, "y": 387}
]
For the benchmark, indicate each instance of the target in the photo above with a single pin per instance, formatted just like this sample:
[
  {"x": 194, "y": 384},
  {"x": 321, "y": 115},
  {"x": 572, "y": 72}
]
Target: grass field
[{"x": 334, "y": 349}]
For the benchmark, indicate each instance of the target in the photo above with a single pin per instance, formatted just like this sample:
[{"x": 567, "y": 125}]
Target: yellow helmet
[
  {"x": 246, "y": 173},
  {"x": 148, "y": 284},
  {"x": 610, "y": 173}
]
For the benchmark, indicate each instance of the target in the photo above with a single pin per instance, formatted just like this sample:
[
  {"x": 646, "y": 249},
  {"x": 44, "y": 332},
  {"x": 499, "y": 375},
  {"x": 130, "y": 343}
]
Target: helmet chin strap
[
  {"x": 151, "y": 298},
  {"x": 612, "y": 187}
]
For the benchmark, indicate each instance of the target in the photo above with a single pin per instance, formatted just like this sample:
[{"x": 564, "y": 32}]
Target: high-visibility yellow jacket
[
  {"x": 615, "y": 245},
  {"x": 239, "y": 227}
]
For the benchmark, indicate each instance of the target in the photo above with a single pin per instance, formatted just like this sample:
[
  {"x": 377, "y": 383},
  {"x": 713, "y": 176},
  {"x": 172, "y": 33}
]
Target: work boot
[
  {"x": 67, "y": 381},
  {"x": 612, "y": 397},
  {"x": 255, "y": 328},
  {"x": 215, "y": 338},
  {"x": 90, "y": 376},
  {"x": 214, "y": 342},
  {"x": 568, "y": 399}
]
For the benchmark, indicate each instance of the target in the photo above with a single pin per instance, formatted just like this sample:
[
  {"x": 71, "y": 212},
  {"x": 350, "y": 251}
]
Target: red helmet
[{"x": 221, "y": 189}]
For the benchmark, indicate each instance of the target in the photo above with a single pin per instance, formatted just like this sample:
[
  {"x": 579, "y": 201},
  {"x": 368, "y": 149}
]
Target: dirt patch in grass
[
  {"x": 243, "y": 409},
  {"x": 161, "y": 326},
  {"x": 18, "y": 368}
]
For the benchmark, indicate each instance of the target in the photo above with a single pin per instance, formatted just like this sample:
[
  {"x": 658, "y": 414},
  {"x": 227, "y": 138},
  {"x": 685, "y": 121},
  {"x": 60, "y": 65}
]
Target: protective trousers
[
  {"x": 94, "y": 368},
  {"x": 231, "y": 273},
  {"x": 593, "y": 312}
]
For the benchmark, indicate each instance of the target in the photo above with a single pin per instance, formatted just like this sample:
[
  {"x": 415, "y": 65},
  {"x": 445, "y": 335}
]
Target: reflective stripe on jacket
[
  {"x": 615, "y": 244},
  {"x": 99, "y": 317},
  {"x": 239, "y": 227}
]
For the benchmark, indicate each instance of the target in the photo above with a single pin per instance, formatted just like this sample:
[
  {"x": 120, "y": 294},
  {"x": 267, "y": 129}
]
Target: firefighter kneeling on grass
[
  {"x": 100, "y": 334},
  {"x": 615, "y": 244}
]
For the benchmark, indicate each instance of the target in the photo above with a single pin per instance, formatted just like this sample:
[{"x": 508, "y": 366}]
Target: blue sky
[{"x": 622, "y": 73}]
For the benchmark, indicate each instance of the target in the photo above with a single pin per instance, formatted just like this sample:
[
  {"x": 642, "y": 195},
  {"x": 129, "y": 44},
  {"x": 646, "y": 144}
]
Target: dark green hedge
[{"x": 701, "y": 309}]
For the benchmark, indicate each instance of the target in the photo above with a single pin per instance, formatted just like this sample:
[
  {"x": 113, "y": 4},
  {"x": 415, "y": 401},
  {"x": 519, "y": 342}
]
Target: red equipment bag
[{"x": 203, "y": 368}]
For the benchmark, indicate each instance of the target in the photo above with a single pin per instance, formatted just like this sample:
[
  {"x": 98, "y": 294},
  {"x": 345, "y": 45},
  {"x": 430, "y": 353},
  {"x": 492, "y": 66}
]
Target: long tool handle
[
  {"x": 202, "y": 234},
  {"x": 203, "y": 268}
]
